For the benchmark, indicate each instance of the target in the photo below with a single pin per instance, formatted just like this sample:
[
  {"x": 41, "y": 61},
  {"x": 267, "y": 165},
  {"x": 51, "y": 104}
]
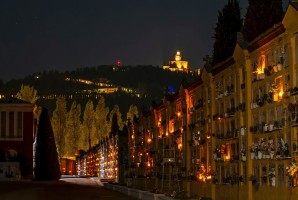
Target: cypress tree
[
  {"x": 123, "y": 154},
  {"x": 73, "y": 140},
  {"x": 114, "y": 126},
  {"x": 260, "y": 16},
  {"x": 46, "y": 156},
  {"x": 229, "y": 22}
]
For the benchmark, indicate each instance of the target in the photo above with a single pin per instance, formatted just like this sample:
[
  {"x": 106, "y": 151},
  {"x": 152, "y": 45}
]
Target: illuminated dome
[
  {"x": 177, "y": 64},
  {"x": 178, "y": 56}
]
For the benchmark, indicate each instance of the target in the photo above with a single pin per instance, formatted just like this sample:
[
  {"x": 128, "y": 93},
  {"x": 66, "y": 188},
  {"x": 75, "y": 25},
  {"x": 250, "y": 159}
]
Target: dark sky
[{"x": 37, "y": 35}]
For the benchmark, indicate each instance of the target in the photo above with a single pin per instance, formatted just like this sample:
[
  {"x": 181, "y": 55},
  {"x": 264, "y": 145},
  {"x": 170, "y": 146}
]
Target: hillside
[{"x": 148, "y": 82}]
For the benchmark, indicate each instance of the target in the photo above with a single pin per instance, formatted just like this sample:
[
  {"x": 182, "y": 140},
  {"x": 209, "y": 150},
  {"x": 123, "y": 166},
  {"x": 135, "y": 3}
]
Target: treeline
[
  {"x": 151, "y": 81},
  {"x": 147, "y": 79},
  {"x": 76, "y": 128},
  {"x": 123, "y": 100}
]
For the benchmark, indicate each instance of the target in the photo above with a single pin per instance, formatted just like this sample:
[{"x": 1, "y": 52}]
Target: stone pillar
[{"x": 248, "y": 89}]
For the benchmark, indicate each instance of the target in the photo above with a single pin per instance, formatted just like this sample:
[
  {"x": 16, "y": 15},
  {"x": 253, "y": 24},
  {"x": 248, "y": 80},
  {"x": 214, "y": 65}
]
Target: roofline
[
  {"x": 195, "y": 84},
  {"x": 230, "y": 61},
  {"x": 266, "y": 37}
]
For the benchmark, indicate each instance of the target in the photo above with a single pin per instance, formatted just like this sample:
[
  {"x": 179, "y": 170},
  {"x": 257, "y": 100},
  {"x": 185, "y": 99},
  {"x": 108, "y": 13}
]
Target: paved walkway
[{"x": 68, "y": 188}]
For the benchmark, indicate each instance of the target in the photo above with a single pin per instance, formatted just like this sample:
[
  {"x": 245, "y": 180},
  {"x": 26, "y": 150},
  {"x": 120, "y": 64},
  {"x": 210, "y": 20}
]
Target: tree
[
  {"x": 132, "y": 112},
  {"x": 28, "y": 94},
  {"x": 114, "y": 125},
  {"x": 88, "y": 124},
  {"x": 100, "y": 120},
  {"x": 260, "y": 16},
  {"x": 59, "y": 125},
  {"x": 229, "y": 22},
  {"x": 116, "y": 111},
  {"x": 123, "y": 153},
  {"x": 73, "y": 129},
  {"x": 46, "y": 156}
]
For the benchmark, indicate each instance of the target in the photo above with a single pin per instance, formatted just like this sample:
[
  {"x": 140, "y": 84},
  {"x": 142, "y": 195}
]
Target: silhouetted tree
[
  {"x": 229, "y": 22},
  {"x": 46, "y": 156},
  {"x": 114, "y": 125},
  {"x": 116, "y": 111},
  {"x": 123, "y": 154},
  {"x": 260, "y": 16}
]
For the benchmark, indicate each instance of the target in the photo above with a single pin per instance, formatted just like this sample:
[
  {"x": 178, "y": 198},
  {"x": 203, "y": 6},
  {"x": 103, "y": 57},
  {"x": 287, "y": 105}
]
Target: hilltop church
[{"x": 177, "y": 65}]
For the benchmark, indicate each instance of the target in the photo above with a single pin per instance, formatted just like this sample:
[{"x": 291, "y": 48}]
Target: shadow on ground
[{"x": 64, "y": 189}]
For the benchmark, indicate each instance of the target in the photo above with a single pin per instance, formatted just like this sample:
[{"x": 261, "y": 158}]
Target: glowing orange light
[
  {"x": 260, "y": 71},
  {"x": 227, "y": 157},
  {"x": 200, "y": 176},
  {"x": 179, "y": 114},
  {"x": 208, "y": 134},
  {"x": 261, "y": 65},
  {"x": 179, "y": 143},
  {"x": 280, "y": 94},
  {"x": 180, "y": 146}
]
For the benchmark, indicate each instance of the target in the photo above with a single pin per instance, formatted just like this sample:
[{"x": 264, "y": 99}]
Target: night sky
[{"x": 37, "y": 35}]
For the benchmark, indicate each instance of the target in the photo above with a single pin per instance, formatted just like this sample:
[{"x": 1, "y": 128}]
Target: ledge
[
  {"x": 138, "y": 194},
  {"x": 293, "y": 124}
]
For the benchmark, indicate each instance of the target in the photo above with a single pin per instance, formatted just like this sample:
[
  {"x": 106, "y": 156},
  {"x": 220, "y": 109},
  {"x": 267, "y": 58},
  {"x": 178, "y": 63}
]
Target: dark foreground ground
[{"x": 66, "y": 189}]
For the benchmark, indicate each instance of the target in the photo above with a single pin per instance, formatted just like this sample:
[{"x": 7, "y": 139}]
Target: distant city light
[{"x": 118, "y": 62}]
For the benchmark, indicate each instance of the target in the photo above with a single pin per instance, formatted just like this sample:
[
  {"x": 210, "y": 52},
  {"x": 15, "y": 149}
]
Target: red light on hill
[{"x": 118, "y": 62}]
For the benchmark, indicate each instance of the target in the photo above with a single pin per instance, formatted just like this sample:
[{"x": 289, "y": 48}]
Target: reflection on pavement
[{"x": 92, "y": 181}]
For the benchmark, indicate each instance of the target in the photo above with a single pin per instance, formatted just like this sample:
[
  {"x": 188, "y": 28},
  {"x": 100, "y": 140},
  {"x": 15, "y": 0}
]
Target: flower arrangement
[
  {"x": 254, "y": 148},
  {"x": 242, "y": 151},
  {"x": 217, "y": 151},
  {"x": 271, "y": 147},
  {"x": 263, "y": 145},
  {"x": 282, "y": 148}
]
